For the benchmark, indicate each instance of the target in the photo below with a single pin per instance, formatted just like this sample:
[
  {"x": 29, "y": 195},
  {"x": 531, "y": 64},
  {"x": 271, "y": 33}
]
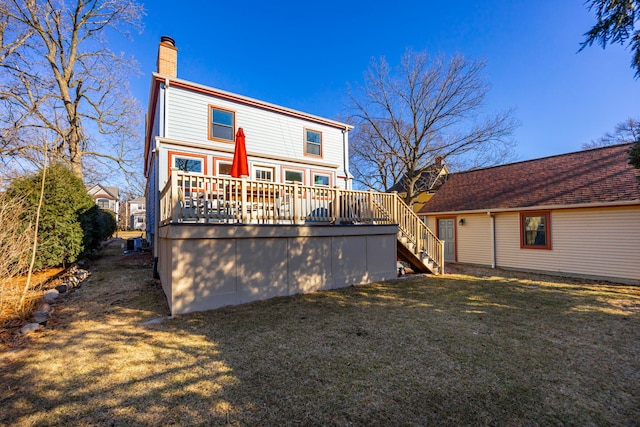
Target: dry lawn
[{"x": 455, "y": 350}]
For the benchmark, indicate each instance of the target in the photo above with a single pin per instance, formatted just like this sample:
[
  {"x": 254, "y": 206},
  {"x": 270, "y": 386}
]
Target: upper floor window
[
  {"x": 313, "y": 143},
  {"x": 535, "y": 230},
  {"x": 222, "y": 124},
  {"x": 103, "y": 203},
  {"x": 188, "y": 165}
]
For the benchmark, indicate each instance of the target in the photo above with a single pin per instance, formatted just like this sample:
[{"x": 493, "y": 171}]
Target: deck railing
[
  {"x": 209, "y": 199},
  {"x": 221, "y": 200}
]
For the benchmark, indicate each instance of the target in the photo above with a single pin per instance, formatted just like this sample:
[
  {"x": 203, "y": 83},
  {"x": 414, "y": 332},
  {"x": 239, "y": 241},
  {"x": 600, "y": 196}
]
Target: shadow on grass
[{"x": 451, "y": 350}]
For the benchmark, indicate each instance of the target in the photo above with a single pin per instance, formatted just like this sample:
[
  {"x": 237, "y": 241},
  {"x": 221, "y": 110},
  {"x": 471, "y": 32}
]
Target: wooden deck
[{"x": 195, "y": 198}]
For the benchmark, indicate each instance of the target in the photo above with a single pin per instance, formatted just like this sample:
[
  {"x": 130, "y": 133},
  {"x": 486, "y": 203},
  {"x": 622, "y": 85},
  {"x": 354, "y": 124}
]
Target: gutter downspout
[
  {"x": 157, "y": 214},
  {"x": 156, "y": 151},
  {"x": 345, "y": 163},
  {"x": 493, "y": 239}
]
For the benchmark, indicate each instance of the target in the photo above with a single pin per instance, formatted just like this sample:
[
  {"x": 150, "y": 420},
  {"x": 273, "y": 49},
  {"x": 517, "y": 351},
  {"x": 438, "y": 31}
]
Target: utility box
[{"x": 134, "y": 244}]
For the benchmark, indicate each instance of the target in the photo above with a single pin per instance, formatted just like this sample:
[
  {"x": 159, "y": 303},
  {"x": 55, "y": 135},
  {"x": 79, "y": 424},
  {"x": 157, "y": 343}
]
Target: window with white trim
[
  {"x": 321, "y": 180},
  {"x": 261, "y": 173},
  {"x": 293, "y": 176},
  {"x": 187, "y": 164},
  {"x": 103, "y": 203},
  {"x": 223, "y": 169}
]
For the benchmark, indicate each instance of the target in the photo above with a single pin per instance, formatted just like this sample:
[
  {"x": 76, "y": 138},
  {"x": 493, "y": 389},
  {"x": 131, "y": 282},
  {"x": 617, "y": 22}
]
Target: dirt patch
[{"x": 136, "y": 260}]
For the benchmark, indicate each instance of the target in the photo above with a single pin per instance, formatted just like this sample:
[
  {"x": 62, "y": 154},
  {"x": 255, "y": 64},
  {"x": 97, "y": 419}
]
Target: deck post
[
  {"x": 174, "y": 197},
  {"x": 335, "y": 212},
  {"x": 295, "y": 202},
  {"x": 394, "y": 208},
  {"x": 243, "y": 204},
  {"x": 371, "y": 205}
]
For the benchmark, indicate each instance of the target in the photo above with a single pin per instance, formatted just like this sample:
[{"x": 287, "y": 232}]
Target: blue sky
[{"x": 303, "y": 54}]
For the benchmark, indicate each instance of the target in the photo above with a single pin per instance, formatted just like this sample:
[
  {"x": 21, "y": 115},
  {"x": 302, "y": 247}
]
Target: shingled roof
[
  {"x": 590, "y": 176},
  {"x": 430, "y": 179}
]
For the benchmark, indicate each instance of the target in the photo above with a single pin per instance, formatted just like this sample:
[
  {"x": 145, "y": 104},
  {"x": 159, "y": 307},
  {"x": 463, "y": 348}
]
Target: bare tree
[
  {"x": 426, "y": 109},
  {"x": 626, "y": 131},
  {"x": 58, "y": 76},
  {"x": 16, "y": 36}
]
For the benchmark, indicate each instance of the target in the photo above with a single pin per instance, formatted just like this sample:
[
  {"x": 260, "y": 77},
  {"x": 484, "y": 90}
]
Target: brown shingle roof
[
  {"x": 430, "y": 180},
  {"x": 590, "y": 176}
]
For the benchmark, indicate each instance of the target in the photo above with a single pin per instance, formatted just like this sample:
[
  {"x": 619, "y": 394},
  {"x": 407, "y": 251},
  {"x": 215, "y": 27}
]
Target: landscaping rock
[
  {"x": 154, "y": 321},
  {"x": 50, "y": 296},
  {"x": 62, "y": 288},
  {"x": 40, "y": 316},
  {"x": 30, "y": 327},
  {"x": 45, "y": 307}
]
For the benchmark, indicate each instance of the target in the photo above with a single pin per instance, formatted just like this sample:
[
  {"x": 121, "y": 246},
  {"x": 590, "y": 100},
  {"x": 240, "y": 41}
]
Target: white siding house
[
  {"x": 106, "y": 197},
  {"x": 137, "y": 214}
]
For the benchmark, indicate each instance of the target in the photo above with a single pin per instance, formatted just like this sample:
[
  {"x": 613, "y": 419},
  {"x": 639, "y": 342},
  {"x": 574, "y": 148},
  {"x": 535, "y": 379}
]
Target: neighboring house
[
  {"x": 219, "y": 240},
  {"x": 428, "y": 183},
  {"x": 136, "y": 214},
  {"x": 575, "y": 214},
  {"x": 106, "y": 197}
]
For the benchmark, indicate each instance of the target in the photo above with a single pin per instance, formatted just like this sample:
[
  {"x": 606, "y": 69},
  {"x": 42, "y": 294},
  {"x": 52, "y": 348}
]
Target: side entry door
[{"x": 447, "y": 232}]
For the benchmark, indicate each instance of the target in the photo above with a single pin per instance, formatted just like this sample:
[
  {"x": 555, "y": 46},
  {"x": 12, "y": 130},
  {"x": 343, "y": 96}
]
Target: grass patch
[{"x": 456, "y": 349}]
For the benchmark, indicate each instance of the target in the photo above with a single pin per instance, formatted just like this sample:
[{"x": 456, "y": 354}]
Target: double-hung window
[
  {"x": 222, "y": 124},
  {"x": 313, "y": 143},
  {"x": 535, "y": 230}
]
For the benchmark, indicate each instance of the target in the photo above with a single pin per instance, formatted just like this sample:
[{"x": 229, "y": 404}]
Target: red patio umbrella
[{"x": 240, "y": 165}]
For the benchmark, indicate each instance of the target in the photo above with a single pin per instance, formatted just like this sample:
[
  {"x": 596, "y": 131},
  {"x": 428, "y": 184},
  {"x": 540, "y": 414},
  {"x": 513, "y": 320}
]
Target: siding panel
[
  {"x": 592, "y": 242},
  {"x": 267, "y": 132},
  {"x": 474, "y": 239}
]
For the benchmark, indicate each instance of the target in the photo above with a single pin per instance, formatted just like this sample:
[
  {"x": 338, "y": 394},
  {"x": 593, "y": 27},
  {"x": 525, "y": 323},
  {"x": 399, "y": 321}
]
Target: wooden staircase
[{"x": 417, "y": 244}]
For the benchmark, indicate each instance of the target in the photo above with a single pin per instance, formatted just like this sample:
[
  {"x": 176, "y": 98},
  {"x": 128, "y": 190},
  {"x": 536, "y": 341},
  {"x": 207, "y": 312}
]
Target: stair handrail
[{"x": 416, "y": 231}]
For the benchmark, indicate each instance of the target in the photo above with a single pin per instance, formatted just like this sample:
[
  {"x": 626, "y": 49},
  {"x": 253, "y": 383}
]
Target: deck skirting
[{"x": 203, "y": 266}]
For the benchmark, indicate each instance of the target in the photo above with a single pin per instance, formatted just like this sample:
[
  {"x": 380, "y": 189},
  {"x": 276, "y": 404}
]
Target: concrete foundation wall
[{"x": 203, "y": 267}]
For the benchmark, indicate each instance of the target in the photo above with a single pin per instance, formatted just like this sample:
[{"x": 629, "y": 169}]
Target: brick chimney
[{"x": 167, "y": 57}]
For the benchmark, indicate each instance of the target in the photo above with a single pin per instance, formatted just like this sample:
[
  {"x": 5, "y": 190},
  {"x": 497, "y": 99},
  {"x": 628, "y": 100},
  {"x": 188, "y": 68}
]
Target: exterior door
[{"x": 447, "y": 232}]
